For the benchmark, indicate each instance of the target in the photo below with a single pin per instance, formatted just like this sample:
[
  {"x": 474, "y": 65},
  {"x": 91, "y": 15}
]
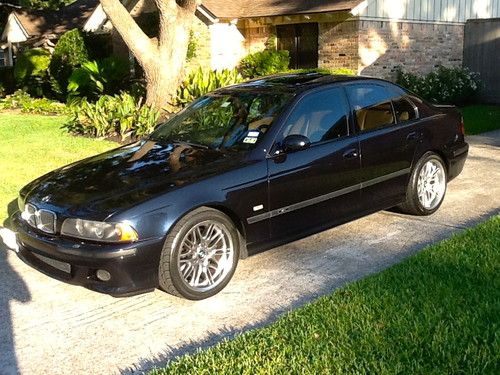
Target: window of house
[
  {"x": 404, "y": 110},
  {"x": 372, "y": 106},
  {"x": 320, "y": 116}
]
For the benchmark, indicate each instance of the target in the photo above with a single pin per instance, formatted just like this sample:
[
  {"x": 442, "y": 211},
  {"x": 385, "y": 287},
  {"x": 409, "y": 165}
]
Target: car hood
[{"x": 115, "y": 180}]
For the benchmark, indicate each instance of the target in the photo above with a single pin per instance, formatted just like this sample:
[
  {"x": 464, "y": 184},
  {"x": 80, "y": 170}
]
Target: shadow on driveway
[{"x": 12, "y": 289}]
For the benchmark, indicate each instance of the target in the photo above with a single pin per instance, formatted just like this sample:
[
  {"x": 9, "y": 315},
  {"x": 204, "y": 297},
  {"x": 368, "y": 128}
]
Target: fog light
[{"x": 103, "y": 275}]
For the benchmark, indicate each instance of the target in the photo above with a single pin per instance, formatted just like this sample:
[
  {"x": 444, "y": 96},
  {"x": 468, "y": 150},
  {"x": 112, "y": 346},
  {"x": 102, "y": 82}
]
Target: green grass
[
  {"x": 436, "y": 313},
  {"x": 481, "y": 118},
  {"x": 33, "y": 145}
]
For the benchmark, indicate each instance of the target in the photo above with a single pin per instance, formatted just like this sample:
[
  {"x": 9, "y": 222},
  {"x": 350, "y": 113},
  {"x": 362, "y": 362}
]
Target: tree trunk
[{"x": 161, "y": 58}]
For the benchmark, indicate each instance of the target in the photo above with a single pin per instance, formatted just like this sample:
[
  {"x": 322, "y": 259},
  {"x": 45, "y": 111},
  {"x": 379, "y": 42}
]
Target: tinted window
[
  {"x": 319, "y": 116},
  {"x": 372, "y": 106},
  {"x": 225, "y": 121},
  {"x": 423, "y": 108},
  {"x": 404, "y": 110}
]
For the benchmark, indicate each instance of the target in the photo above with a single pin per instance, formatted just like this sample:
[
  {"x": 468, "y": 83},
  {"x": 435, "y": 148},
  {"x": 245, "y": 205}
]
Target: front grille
[{"x": 43, "y": 220}]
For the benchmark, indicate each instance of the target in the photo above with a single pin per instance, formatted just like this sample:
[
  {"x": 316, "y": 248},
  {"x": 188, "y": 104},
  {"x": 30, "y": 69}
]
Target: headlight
[{"x": 99, "y": 231}]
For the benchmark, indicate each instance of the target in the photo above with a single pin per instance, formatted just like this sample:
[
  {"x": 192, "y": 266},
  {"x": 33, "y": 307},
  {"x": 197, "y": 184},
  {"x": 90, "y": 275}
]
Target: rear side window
[
  {"x": 404, "y": 110},
  {"x": 320, "y": 116},
  {"x": 423, "y": 109},
  {"x": 372, "y": 106}
]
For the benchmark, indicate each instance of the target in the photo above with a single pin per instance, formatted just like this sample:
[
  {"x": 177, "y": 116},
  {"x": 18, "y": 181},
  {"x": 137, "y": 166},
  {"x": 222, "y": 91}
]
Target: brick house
[{"x": 371, "y": 37}]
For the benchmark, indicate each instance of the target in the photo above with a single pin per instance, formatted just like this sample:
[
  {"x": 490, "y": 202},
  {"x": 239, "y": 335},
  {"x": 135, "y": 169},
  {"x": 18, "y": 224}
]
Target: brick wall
[
  {"x": 338, "y": 45},
  {"x": 201, "y": 36},
  {"x": 257, "y": 37},
  {"x": 416, "y": 47},
  {"x": 374, "y": 48}
]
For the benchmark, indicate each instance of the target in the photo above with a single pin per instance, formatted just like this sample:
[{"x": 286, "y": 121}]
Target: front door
[
  {"x": 301, "y": 40},
  {"x": 317, "y": 187}
]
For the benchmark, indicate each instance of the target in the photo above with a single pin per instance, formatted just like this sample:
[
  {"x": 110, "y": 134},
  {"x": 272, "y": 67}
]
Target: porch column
[{"x": 10, "y": 60}]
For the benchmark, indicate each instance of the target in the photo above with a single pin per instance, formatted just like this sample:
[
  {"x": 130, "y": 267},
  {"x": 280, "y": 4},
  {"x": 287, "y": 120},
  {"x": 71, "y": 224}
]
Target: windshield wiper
[{"x": 167, "y": 139}]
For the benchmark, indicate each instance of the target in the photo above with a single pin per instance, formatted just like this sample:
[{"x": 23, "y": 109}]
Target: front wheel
[
  {"x": 200, "y": 255},
  {"x": 427, "y": 187}
]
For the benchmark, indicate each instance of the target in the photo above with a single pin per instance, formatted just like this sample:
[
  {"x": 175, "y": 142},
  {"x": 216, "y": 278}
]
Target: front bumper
[{"x": 133, "y": 267}]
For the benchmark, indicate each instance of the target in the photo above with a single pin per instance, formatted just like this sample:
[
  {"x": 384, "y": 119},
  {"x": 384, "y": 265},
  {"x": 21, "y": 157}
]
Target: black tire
[
  {"x": 412, "y": 204},
  {"x": 169, "y": 272}
]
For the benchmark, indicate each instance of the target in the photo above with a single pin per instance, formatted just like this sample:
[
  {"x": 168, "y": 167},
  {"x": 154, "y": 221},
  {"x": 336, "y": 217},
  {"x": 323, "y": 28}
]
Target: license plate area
[{"x": 61, "y": 266}]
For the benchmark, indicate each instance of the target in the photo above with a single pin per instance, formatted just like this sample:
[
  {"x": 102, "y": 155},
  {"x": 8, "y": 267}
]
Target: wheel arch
[
  {"x": 442, "y": 155},
  {"x": 238, "y": 223},
  {"x": 438, "y": 152},
  {"x": 235, "y": 219}
]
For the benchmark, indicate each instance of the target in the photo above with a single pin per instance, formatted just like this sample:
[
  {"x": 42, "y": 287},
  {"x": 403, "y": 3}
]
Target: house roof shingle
[
  {"x": 263, "y": 8},
  {"x": 43, "y": 22}
]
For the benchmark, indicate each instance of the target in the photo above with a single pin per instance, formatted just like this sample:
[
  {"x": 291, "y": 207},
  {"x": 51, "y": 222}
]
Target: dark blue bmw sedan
[{"x": 240, "y": 170}]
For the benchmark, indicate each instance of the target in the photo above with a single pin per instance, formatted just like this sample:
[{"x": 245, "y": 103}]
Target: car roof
[{"x": 294, "y": 82}]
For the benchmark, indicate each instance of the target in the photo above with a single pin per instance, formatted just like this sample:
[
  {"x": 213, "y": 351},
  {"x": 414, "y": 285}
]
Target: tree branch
[{"x": 137, "y": 41}]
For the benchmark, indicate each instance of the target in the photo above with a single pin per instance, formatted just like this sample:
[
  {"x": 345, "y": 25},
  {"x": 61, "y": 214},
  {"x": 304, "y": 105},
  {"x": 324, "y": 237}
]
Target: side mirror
[{"x": 295, "y": 142}]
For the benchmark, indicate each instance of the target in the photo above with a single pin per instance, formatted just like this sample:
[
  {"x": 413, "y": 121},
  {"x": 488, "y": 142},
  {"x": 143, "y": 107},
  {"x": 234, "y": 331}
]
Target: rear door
[
  {"x": 388, "y": 133},
  {"x": 316, "y": 187}
]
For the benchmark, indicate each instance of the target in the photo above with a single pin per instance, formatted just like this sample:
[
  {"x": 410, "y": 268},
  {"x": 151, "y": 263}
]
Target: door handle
[
  {"x": 413, "y": 136},
  {"x": 351, "y": 154}
]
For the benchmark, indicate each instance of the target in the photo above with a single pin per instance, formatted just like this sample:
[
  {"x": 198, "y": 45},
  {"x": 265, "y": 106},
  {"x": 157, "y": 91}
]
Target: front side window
[
  {"x": 372, "y": 106},
  {"x": 320, "y": 116},
  {"x": 233, "y": 121}
]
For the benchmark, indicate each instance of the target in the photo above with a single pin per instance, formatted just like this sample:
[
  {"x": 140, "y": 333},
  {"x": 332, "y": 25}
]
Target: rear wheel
[
  {"x": 427, "y": 187},
  {"x": 200, "y": 255}
]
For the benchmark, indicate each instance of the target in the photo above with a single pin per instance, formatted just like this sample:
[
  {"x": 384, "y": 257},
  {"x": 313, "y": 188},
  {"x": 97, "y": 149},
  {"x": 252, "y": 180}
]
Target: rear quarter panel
[{"x": 440, "y": 133}]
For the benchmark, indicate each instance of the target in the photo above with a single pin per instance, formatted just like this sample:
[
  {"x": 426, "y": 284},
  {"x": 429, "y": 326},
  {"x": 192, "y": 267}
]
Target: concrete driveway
[{"x": 50, "y": 327}]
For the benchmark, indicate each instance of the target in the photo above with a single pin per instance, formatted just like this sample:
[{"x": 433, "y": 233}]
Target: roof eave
[
  {"x": 206, "y": 13},
  {"x": 347, "y": 10},
  {"x": 14, "y": 17}
]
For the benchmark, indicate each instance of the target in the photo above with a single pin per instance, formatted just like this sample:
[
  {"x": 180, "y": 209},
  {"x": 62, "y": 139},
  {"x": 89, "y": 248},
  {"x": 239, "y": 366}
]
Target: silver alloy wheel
[
  {"x": 431, "y": 185},
  {"x": 206, "y": 256}
]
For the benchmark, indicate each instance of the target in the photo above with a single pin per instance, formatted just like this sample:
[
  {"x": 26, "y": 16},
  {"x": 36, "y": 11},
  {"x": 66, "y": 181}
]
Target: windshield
[{"x": 233, "y": 121}]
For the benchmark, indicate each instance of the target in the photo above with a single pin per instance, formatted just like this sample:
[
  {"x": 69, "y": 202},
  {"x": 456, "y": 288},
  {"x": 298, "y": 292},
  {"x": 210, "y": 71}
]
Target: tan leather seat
[{"x": 375, "y": 117}]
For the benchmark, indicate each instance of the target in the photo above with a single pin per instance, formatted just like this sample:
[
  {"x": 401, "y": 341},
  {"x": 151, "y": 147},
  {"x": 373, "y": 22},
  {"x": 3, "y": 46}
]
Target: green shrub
[
  {"x": 70, "y": 53},
  {"x": 264, "y": 63},
  {"x": 114, "y": 115},
  {"x": 95, "y": 78},
  {"x": 20, "y": 100},
  {"x": 192, "y": 50},
  {"x": 202, "y": 81},
  {"x": 343, "y": 72},
  {"x": 137, "y": 89},
  {"x": 7, "y": 81},
  {"x": 30, "y": 71},
  {"x": 99, "y": 46},
  {"x": 445, "y": 85}
]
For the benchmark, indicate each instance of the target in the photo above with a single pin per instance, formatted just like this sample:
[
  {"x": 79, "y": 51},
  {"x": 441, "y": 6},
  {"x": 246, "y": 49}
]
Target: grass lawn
[
  {"x": 33, "y": 145},
  {"x": 436, "y": 313},
  {"x": 481, "y": 118}
]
